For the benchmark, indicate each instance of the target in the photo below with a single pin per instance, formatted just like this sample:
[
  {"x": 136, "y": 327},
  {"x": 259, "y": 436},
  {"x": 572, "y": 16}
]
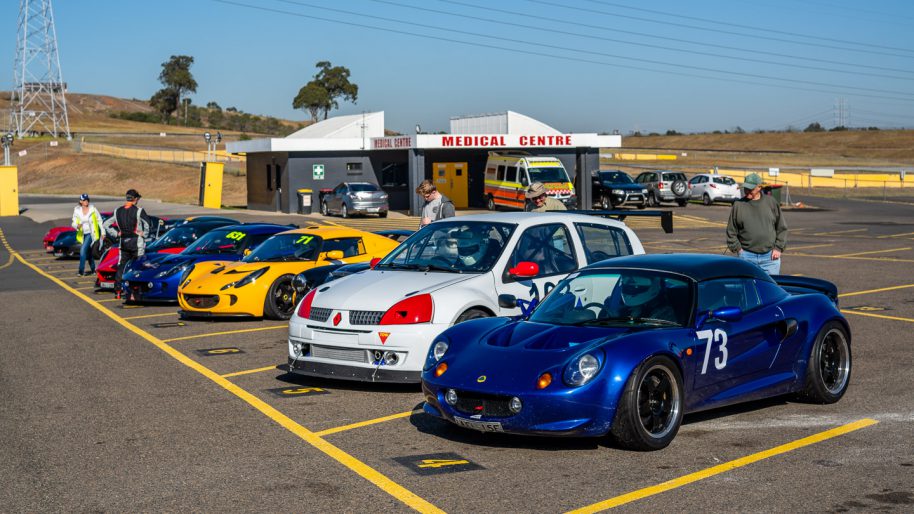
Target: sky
[{"x": 577, "y": 65}]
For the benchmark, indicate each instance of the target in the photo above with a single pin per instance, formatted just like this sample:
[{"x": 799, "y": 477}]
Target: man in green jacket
[{"x": 756, "y": 230}]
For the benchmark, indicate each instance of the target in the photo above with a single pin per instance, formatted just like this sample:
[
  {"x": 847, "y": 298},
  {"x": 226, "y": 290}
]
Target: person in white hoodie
[{"x": 88, "y": 224}]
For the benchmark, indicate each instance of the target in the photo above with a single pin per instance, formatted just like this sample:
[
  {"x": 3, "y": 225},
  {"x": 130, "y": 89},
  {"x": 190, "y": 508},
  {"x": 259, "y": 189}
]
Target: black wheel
[
  {"x": 490, "y": 203},
  {"x": 344, "y": 211},
  {"x": 682, "y": 202},
  {"x": 829, "y": 370},
  {"x": 324, "y": 210},
  {"x": 382, "y": 214},
  {"x": 472, "y": 314},
  {"x": 605, "y": 203},
  {"x": 705, "y": 199},
  {"x": 642, "y": 205},
  {"x": 679, "y": 188},
  {"x": 280, "y": 300},
  {"x": 652, "y": 199},
  {"x": 650, "y": 408}
]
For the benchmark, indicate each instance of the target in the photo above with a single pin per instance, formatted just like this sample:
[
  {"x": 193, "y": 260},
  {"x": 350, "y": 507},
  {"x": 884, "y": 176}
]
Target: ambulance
[{"x": 509, "y": 174}]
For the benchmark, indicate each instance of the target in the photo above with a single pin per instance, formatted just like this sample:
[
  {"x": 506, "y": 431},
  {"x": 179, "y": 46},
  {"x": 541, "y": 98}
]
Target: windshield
[
  {"x": 615, "y": 177},
  {"x": 358, "y": 188},
  {"x": 727, "y": 181},
  {"x": 451, "y": 246},
  {"x": 552, "y": 174},
  {"x": 178, "y": 236},
  {"x": 218, "y": 241},
  {"x": 626, "y": 298},
  {"x": 286, "y": 247}
]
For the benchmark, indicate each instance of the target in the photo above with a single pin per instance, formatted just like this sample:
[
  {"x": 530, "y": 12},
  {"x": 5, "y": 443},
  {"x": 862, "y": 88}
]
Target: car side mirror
[
  {"x": 507, "y": 301},
  {"x": 333, "y": 255},
  {"x": 246, "y": 252},
  {"x": 723, "y": 313},
  {"x": 374, "y": 262},
  {"x": 525, "y": 269}
]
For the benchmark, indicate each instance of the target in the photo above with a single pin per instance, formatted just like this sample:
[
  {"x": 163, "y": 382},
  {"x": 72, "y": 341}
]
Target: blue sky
[{"x": 578, "y": 65}]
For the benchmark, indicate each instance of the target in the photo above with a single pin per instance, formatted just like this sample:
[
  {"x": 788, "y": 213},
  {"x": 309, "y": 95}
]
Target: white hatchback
[
  {"x": 377, "y": 325},
  {"x": 710, "y": 188}
]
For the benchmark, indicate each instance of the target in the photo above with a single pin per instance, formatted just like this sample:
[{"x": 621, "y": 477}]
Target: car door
[
  {"x": 734, "y": 358},
  {"x": 336, "y": 198},
  {"x": 699, "y": 184},
  {"x": 552, "y": 248}
]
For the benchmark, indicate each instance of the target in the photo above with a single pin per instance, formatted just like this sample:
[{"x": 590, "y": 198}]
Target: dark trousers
[{"x": 126, "y": 256}]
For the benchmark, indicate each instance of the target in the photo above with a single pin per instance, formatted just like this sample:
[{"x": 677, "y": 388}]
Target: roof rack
[{"x": 666, "y": 217}]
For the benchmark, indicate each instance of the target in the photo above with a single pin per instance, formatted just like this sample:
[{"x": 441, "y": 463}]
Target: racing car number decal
[
  {"x": 235, "y": 235},
  {"x": 711, "y": 336},
  {"x": 304, "y": 240}
]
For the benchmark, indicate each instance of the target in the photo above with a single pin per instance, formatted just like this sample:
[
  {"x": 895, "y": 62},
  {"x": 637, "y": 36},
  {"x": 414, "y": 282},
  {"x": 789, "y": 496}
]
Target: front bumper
[
  {"x": 313, "y": 368},
  {"x": 202, "y": 304},
  {"x": 368, "y": 207},
  {"x": 152, "y": 291},
  {"x": 626, "y": 199}
]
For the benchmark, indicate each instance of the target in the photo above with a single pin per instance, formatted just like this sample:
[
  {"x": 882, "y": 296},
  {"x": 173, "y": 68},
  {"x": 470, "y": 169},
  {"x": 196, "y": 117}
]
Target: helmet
[
  {"x": 446, "y": 248},
  {"x": 639, "y": 289}
]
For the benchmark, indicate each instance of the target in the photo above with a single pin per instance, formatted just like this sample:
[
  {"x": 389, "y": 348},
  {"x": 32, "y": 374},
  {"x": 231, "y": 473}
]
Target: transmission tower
[
  {"x": 39, "y": 97},
  {"x": 841, "y": 113}
]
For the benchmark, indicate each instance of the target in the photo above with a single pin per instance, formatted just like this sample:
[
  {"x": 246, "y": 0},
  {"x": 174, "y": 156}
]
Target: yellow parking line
[
  {"x": 896, "y": 235},
  {"x": 855, "y": 293},
  {"x": 84, "y": 288},
  {"x": 840, "y": 232},
  {"x": 722, "y": 468},
  {"x": 8, "y": 263},
  {"x": 153, "y": 315},
  {"x": 807, "y": 247},
  {"x": 360, "y": 424},
  {"x": 360, "y": 468},
  {"x": 881, "y": 316},
  {"x": 873, "y": 252},
  {"x": 229, "y": 332},
  {"x": 853, "y": 258},
  {"x": 108, "y": 300},
  {"x": 250, "y": 371}
]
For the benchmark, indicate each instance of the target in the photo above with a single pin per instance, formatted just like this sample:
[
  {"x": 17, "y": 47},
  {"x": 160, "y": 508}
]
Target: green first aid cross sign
[{"x": 317, "y": 172}]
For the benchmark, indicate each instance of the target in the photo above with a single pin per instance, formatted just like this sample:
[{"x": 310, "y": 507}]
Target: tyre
[
  {"x": 490, "y": 203},
  {"x": 650, "y": 409},
  {"x": 642, "y": 205},
  {"x": 344, "y": 211},
  {"x": 472, "y": 314},
  {"x": 382, "y": 214},
  {"x": 829, "y": 370},
  {"x": 682, "y": 202},
  {"x": 605, "y": 203},
  {"x": 679, "y": 188},
  {"x": 705, "y": 199},
  {"x": 280, "y": 300},
  {"x": 324, "y": 210},
  {"x": 652, "y": 199}
]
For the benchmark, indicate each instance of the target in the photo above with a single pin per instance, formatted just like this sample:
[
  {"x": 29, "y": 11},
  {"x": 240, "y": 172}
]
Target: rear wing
[
  {"x": 666, "y": 217},
  {"x": 807, "y": 285}
]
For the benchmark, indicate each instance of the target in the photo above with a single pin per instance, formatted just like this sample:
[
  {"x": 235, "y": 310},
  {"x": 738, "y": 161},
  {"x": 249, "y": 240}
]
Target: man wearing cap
[
  {"x": 537, "y": 201},
  {"x": 132, "y": 226},
  {"x": 756, "y": 230}
]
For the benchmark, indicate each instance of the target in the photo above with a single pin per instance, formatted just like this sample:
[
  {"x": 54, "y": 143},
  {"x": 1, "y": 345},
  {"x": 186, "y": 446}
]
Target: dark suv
[
  {"x": 665, "y": 186},
  {"x": 614, "y": 188}
]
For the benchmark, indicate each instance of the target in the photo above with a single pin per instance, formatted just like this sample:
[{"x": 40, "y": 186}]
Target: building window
[
  {"x": 353, "y": 166},
  {"x": 269, "y": 177},
  {"x": 394, "y": 174}
]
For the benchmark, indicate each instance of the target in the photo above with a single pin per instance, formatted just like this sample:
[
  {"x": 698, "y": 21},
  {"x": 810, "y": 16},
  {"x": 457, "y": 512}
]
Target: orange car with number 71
[{"x": 260, "y": 285}]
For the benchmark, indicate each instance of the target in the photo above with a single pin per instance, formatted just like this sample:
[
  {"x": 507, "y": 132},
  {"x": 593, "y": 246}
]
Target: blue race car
[
  {"x": 155, "y": 277},
  {"x": 627, "y": 346}
]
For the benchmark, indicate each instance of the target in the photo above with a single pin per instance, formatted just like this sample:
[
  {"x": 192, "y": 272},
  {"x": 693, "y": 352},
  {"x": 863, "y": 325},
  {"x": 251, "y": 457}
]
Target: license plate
[
  {"x": 374, "y": 209},
  {"x": 634, "y": 197},
  {"x": 58, "y": 254},
  {"x": 482, "y": 426},
  {"x": 106, "y": 285}
]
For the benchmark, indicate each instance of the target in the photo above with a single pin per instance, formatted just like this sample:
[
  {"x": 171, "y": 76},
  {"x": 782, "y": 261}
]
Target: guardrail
[{"x": 155, "y": 154}]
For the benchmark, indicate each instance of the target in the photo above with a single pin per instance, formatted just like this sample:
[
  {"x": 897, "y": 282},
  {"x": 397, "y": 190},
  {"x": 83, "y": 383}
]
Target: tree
[
  {"x": 313, "y": 98},
  {"x": 213, "y": 105},
  {"x": 814, "y": 127},
  {"x": 165, "y": 102},
  {"x": 177, "y": 76}
]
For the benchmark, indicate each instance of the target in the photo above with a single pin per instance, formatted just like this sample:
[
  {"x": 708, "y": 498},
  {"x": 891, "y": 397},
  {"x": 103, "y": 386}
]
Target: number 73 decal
[{"x": 711, "y": 336}]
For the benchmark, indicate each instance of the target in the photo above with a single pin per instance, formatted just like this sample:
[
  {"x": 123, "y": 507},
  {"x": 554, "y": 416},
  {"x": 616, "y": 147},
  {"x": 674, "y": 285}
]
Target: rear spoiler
[
  {"x": 806, "y": 285},
  {"x": 666, "y": 217}
]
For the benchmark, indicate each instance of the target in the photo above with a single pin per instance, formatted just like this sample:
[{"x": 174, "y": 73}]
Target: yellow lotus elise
[{"x": 260, "y": 284}]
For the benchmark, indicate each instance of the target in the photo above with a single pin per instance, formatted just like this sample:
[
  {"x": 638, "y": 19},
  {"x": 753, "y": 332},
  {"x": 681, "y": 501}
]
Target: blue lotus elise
[
  {"x": 627, "y": 346},
  {"x": 155, "y": 277}
]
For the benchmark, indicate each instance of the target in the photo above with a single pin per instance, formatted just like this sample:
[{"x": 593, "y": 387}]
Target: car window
[
  {"x": 727, "y": 292},
  {"x": 602, "y": 242},
  {"x": 500, "y": 175},
  {"x": 727, "y": 181},
  {"x": 355, "y": 188},
  {"x": 669, "y": 177},
  {"x": 616, "y": 177},
  {"x": 511, "y": 174},
  {"x": 350, "y": 246},
  {"x": 769, "y": 292},
  {"x": 451, "y": 246},
  {"x": 549, "y": 246}
]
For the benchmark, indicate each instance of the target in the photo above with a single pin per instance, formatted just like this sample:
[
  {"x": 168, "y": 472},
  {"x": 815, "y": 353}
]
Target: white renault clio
[{"x": 377, "y": 325}]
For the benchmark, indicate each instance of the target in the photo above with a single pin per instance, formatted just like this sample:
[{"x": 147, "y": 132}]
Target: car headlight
[
  {"x": 249, "y": 278},
  {"x": 581, "y": 370},
  {"x": 172, "y": 271},
  {"x": 618, "y": 192},
  {"x": 436, "y": 352},
  {"x": 644, "y": 191},
  {"x": 183, "y": 280}
]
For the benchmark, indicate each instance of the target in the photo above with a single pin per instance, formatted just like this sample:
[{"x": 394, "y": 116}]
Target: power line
[
  {"x": 749, "y": 27},
  {"x": 562, "y": 48},
  {"x": 579, "y": 24}
]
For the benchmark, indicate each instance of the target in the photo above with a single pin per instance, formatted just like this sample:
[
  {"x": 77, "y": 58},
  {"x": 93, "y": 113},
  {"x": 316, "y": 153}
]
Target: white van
[{"x": 509, "y": 174}]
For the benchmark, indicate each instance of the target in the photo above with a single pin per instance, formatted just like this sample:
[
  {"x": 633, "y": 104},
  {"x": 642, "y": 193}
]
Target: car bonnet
[{"x": 378, "y": 290}]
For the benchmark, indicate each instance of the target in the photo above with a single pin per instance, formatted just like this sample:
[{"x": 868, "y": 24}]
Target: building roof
[
  {"x": 508, "y": 122},
  {"x": 369, "y": 124}
]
